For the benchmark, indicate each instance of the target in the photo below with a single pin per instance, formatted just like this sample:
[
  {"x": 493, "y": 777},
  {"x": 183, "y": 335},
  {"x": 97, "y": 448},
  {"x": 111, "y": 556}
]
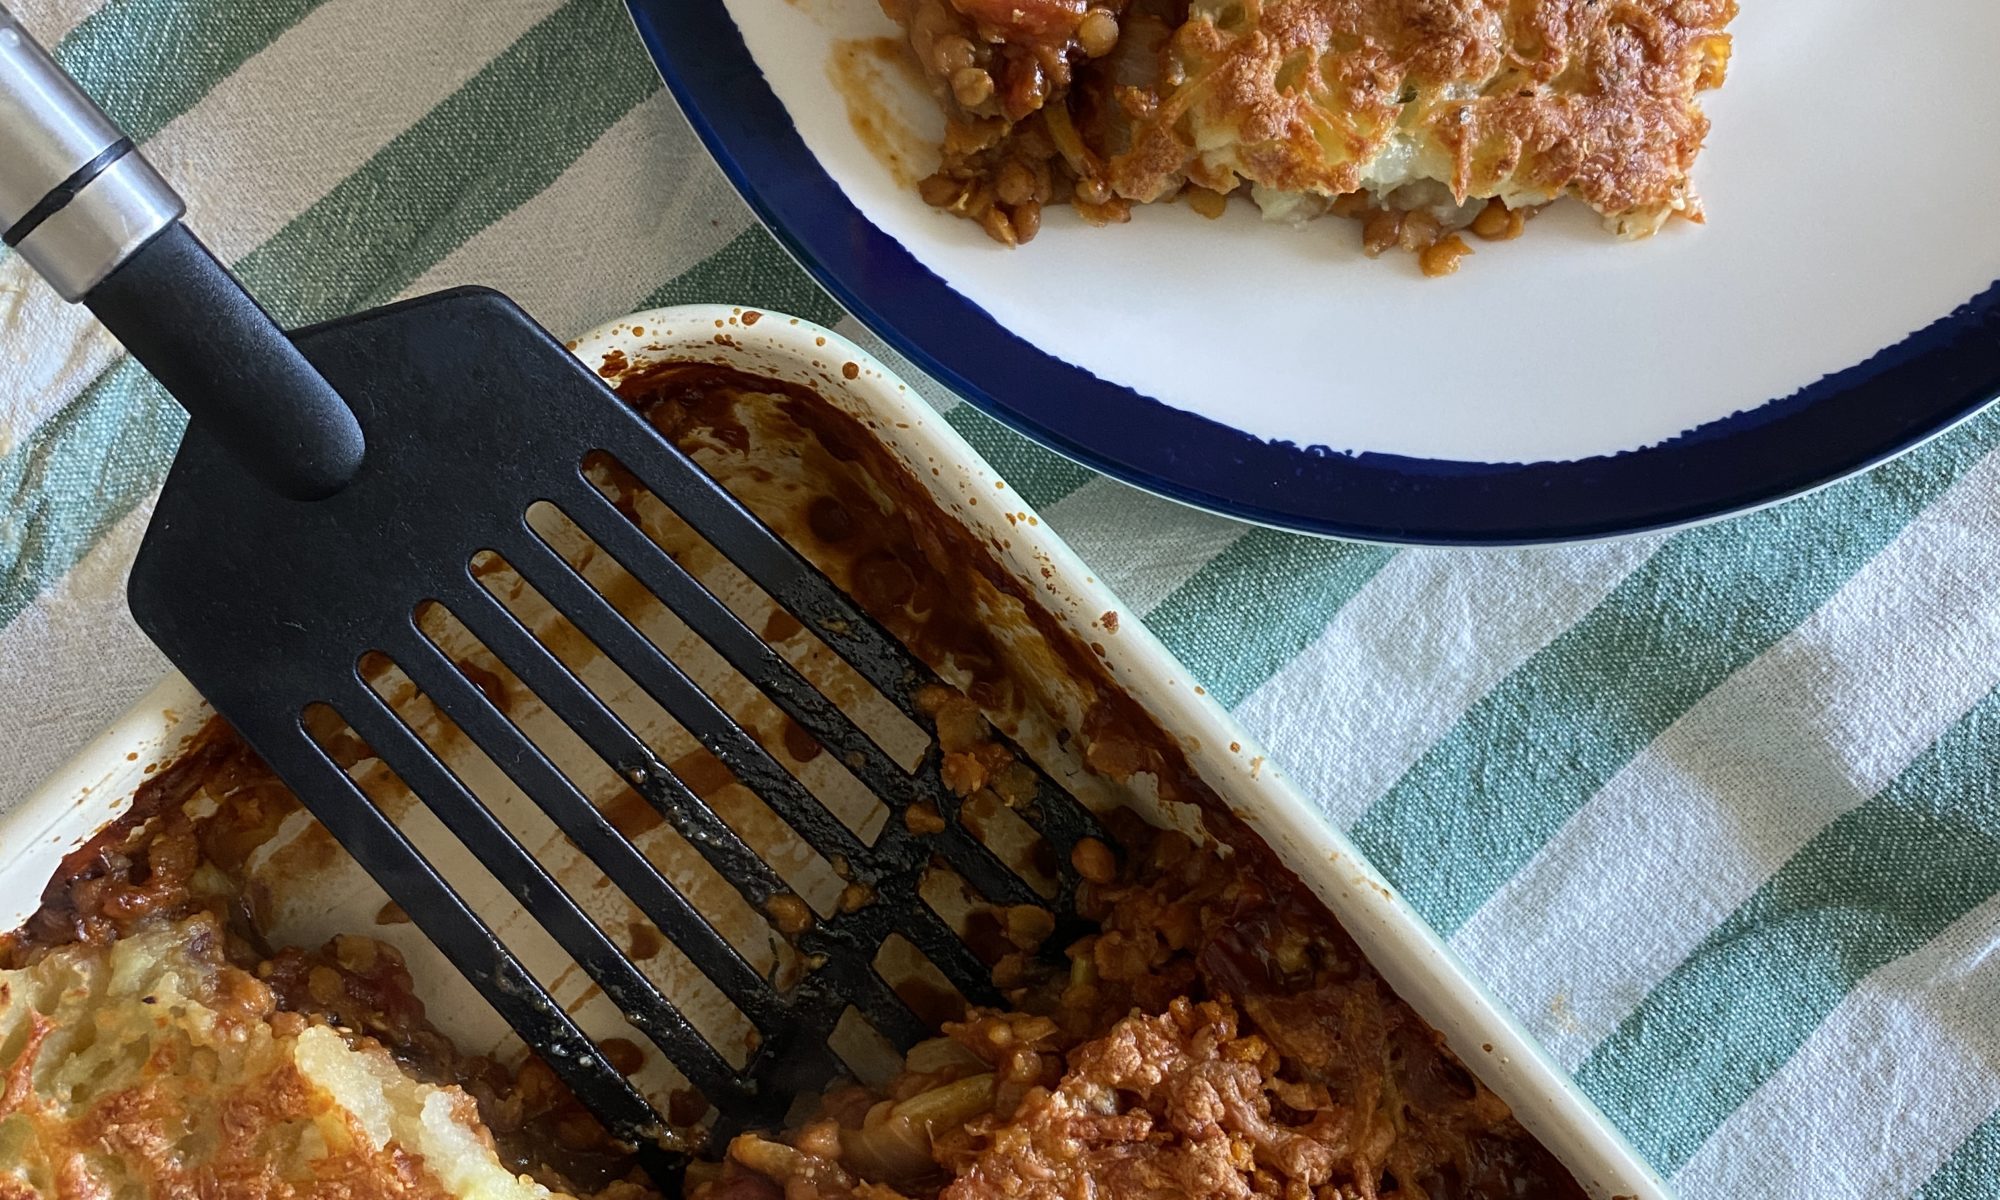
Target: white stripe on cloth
[
  {"x": 72, "y": 661},
  {"x": 53, "y": 20},
  {"x": 1883, "y": 1091},
  {"x": 248, "y": 162},
  {"x": 642, "y": 204},
  {"x": 1689, "y": 829},
  {"x": 1141, "y": 545},
  {"x": 1397, "y": 667}
]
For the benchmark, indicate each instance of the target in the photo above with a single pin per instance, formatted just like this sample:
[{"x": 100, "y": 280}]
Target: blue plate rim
[{"x": 1847, "y": 422}]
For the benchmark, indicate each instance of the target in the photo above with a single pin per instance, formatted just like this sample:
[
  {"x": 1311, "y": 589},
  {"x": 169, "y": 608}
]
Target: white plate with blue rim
[{"x": 1841, "y": 305}]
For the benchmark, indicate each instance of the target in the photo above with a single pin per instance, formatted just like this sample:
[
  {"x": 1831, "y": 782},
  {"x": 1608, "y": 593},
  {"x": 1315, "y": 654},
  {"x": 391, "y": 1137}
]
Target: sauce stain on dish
[
  {"x": 631, "y": 814},
  {"x": 868, "y": 73}
]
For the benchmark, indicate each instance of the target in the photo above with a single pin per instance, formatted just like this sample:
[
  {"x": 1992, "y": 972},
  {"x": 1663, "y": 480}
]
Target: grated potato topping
[{"x": 149, "y": 1066}]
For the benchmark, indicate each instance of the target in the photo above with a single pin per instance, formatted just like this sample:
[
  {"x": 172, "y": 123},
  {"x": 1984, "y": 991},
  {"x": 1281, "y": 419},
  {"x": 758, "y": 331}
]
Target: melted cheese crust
[
  {"x": 1524, "y": 100},
  {"x": 151, "y": 1067},
  {"x": 1399, "y": 104}
]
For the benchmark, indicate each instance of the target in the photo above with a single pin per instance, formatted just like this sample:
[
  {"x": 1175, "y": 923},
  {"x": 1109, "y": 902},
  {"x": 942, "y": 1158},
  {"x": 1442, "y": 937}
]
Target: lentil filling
[{"x": 1217, "y": 1034}]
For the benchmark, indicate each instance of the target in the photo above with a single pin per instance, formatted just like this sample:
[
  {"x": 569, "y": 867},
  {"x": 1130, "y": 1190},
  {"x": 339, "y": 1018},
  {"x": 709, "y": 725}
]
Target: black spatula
[{"x": 334, "y": 480}]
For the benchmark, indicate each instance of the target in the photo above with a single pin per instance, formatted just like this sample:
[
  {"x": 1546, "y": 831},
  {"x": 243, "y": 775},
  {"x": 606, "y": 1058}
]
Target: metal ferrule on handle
[{"x": 76, "y": 201}]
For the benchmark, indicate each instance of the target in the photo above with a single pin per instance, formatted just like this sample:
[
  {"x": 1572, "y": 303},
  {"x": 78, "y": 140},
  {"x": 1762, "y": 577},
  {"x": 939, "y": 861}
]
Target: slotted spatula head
[{"x": 473, "y": 415}]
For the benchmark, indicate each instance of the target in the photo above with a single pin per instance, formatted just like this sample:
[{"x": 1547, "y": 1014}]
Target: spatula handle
[{"x": 87, "y": 212}]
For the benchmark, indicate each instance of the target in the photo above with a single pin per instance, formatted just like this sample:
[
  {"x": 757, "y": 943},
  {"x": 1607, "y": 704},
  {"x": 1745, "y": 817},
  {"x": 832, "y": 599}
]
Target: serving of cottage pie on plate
[
  {"x": 1422, "y": 117},
  {"x": 1760, "y": 316}
]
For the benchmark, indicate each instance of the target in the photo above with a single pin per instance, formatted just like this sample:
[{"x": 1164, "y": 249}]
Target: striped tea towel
[{"x": 1714, "y": 811}]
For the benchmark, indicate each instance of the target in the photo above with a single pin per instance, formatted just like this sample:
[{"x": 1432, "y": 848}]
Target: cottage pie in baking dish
[
  {"x": 1419, "y": 117},
  {"x": 1218, "y": 1036},
  {"x": 1211, "y": 1032}
]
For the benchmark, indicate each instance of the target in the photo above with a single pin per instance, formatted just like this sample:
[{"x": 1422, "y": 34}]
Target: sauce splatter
[{"x": 865, "y": 72}]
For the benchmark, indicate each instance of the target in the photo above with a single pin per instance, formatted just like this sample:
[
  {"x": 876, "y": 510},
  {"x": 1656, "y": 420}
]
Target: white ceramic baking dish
[{"x": 98, "y": 782}]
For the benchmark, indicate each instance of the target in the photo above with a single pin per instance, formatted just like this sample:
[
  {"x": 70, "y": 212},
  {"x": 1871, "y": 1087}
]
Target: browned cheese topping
[{"x": 1402, "y": 105}]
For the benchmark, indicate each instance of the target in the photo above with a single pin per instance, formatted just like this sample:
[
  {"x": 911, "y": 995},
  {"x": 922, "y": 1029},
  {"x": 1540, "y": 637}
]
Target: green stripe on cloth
[
  {"x": 1877, "y": 884},
  {"x": 1040, "y": 475},
  {"x": 503, "y": 137},
  {"x": 510, "y": 131},
  {"x": 754, "y": 271},
  {"x": 1485, "y": 798},
  {"x": 1253, "y": 607},
  {"x": 116, "y": 53},
  {"x": 1973, "y": 1170},
  {"x": 78, "y": 474}
]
